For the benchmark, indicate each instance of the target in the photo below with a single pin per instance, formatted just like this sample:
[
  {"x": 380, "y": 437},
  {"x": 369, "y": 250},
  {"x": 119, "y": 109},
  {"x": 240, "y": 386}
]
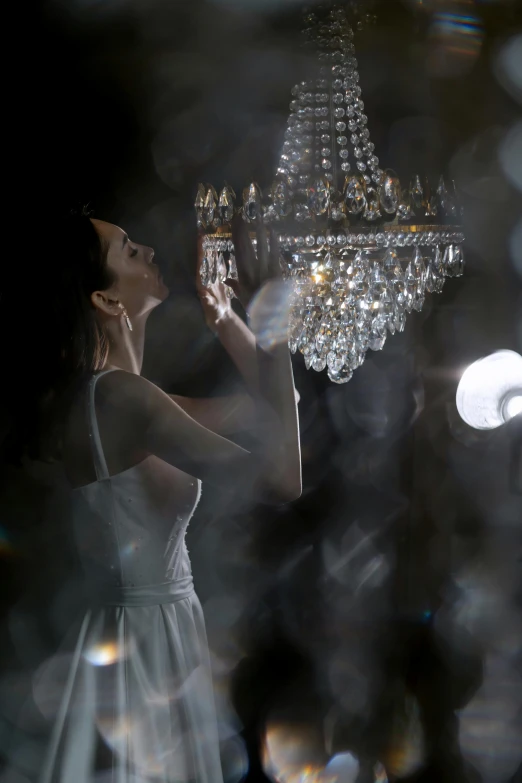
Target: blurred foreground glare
[
  {"x": 490, "y": 390},
  {"x": 295, "y": 753}
]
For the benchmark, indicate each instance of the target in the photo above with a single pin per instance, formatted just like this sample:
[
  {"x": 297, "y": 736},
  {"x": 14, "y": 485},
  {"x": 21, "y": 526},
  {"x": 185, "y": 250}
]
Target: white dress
[{"x": 139, "y": 679}]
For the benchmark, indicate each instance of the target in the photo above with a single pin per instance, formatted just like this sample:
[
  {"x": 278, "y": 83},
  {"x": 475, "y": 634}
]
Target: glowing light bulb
[
  {"x": 490, "y": 390},
  {"x": 513, "y": 406}
]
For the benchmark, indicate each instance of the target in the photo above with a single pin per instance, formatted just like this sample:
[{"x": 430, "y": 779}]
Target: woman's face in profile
[{"x": 139, "y": 284}]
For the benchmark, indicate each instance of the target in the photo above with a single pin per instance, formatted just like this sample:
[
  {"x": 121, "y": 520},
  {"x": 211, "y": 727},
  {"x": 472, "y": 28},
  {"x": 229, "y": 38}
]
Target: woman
[{"x": 137, "y": 700}]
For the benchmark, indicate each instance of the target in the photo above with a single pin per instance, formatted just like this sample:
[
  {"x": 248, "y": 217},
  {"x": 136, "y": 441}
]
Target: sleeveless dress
[{"x": 138, "y": 681}]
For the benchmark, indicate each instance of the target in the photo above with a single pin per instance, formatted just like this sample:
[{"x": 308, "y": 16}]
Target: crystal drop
[
  {"x": 400, "y": 320},
  {"x": 390, "y": 192},
  {"x": 213, "y": 269},
  {"x": 199, "y": 204},
  {"x": 417, "y": 193},
  {"x": 204, "y": 272},
  {"x": 301, "y": 212},
  {"x": 355, "y": 194},
  {"x": 391, "y": 263},
  {"x": 377, "y": 281},
  {"x": 453, "y": 261},
  {"x": 318, "y": 363},
  {"x": 343, "y": 154},
  {"x": 343, "y": 376},
  {"x": 404, "y": 210},
  {"x": 252, "y": 203},
  {"x": 342, "y": 140},
  {"x": 432, "y": 209},
  {"x": 418, "y": 301},
  {"x": 376, "y": 341},
  {"x": 209, "y": 207},
  {"x": 340, "y": 126},
  {"x": 410, "y": 286},
  {"x": 345, "y": 166},
  {"x": 459, "y": 261},
  {"x": 437, "y": 261},
  {"x": 334, "y": 361},
  {"x": 232, "y": 267},
  {"x": 431, "y": 279},
  {"x": 419, "y": 269},
  {"x": 308, "y": 360},
  {"x": 319, "y": 197},
  {"x": 339, "y": 112},
  {"x": 281, "y": 199},
  {"x": 447, "y": 261},
  {"x": 361, "y": 259},
  {"x": 372, "y": 211},
  {"x": 326, "y": 152},
  {"x": 343, "y": 343},
  {"x": 361, "y": 165},
  {"x": 221, "y": 268},
  {"x": 326, "y": 164}
]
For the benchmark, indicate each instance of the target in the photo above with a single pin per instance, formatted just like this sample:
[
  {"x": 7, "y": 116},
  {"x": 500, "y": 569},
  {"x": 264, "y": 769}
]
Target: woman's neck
[{"x": 126, "y": 347}]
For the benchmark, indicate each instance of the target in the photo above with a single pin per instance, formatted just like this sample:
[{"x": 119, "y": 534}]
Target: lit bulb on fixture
[{"x": 490, "y": 391}]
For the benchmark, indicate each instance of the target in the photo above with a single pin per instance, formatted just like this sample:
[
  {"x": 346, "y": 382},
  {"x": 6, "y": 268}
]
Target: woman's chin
[{"x": 163, "y": 290}]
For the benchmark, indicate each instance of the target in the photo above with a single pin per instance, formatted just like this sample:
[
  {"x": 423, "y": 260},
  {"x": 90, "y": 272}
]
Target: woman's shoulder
[{"x": 128, "y": 392}]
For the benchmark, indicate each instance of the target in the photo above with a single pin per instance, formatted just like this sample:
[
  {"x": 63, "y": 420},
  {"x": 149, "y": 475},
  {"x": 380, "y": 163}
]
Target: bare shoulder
[{"x": 131, "y": 393}]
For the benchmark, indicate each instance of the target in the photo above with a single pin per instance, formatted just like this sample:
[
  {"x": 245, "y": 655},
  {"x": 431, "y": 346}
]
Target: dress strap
[{"x": 100, "y": 465}]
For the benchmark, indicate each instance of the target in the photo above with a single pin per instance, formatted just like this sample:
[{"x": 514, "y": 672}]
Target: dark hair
[{"x": 57, "y": 339}]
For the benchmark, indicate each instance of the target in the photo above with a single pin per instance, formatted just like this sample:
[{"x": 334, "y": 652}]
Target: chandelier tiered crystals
[{"x": 360, "y": 251}]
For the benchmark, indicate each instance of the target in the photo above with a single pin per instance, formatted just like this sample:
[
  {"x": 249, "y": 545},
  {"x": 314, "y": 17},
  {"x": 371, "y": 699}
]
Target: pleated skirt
[{"x": 136, "y": 703}]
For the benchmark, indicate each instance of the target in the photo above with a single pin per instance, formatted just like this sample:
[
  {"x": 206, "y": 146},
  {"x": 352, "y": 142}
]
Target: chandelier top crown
[{"x": 328, "y": 175}]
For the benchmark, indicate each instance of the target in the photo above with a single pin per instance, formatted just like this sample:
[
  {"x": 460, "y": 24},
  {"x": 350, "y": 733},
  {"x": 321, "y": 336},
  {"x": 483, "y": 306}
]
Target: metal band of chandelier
[{"x": 360, "y": 250}]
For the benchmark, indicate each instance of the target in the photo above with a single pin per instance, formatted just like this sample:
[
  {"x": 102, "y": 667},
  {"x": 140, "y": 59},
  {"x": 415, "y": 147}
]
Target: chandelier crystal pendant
[{"x": 361, "y": 250}]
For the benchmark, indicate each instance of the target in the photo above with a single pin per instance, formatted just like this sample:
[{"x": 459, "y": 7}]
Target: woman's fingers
[{"x": 232, "y": 286}]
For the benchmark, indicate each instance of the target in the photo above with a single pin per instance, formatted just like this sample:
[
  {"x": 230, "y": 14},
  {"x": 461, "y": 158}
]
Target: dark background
[{"x": 388, "y": 598}]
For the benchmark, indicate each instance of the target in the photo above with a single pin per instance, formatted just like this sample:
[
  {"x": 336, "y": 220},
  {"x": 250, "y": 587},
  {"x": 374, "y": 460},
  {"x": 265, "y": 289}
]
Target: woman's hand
[
  {"x": 253, "y": 270},
  {"x": 214, "y": 298}
]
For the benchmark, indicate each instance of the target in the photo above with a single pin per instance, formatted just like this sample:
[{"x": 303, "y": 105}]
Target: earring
[{"x": 127, "y": 319}]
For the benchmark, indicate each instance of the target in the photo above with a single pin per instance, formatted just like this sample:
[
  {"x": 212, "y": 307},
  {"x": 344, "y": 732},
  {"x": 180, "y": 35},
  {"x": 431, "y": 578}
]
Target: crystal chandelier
[{"x": 360, "y": 250}]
